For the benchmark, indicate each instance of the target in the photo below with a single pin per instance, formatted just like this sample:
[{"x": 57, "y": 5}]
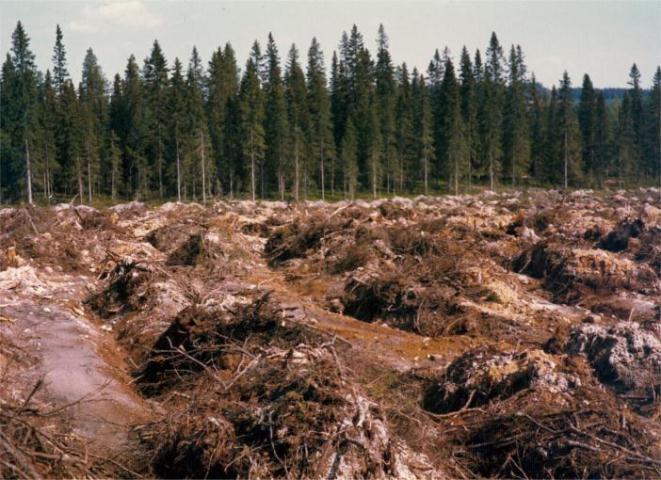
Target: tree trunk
[
  {"x": 89, "y": 179},
  {"x": 252, "y": 165},
  {"x": 28, "y": 171},
  {"x": 425, "y": 163},
  {"x": 47, "y": 188},
  {"x": 491, "y": 171},
  {"x": 160, "y": 163},
  {"x": 204, "y": 170},
  {"x": 176, "y": 141},
  {"x": 374, "y": 177},
  {"x": 321, "y": 148},
  {"x": 296, "y": 172},
  {"x": 566, "y": 159},
  {"x": 80, "y": 180},
  {"x": 456, "y": 175}
]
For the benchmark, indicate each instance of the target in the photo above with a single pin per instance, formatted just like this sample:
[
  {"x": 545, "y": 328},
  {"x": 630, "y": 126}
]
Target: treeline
[{"x": 277, "y": 129}]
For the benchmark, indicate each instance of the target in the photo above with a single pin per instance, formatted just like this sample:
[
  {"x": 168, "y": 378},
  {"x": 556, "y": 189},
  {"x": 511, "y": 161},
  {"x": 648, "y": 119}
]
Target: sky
[{"x": 601, "y": 38}]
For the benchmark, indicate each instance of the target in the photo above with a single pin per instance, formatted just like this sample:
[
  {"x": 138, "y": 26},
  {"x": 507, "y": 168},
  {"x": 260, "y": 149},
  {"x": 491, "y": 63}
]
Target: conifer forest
[
  {"x": 319, "y": 263},
  {"x": 297, "y": 124}
]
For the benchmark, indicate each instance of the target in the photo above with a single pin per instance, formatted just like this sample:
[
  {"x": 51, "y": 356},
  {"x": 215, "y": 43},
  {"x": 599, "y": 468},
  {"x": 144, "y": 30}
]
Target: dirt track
[{"x": 506, "y": 335}]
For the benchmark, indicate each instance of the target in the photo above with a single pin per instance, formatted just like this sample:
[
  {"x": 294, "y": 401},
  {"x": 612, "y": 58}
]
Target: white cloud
[
  {"x": 78, "y": 26},
  {"x": 123, "y": 13},
  {"x": 131, "y": 13}
]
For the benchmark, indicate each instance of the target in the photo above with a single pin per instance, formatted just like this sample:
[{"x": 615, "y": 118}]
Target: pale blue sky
[{"x": 602, "y": 38}]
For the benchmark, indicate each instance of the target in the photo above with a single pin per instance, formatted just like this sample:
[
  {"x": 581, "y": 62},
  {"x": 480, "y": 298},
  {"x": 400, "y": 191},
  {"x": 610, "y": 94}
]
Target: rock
[{"x": 624, "y": 356}]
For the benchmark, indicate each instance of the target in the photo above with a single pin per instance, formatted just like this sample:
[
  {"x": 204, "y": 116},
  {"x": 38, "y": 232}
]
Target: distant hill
[{"x": 611, "y": 94}]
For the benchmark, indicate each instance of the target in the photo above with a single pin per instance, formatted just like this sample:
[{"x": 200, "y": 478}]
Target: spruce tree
[
  {"x": 601, "y": 141},
  {"x": 549, "y": 170},
  {"x": 252, "y": 118},
  {"x": 586, "y": 120},
  {"x": 94, "y": 109},
  {"x": 454, "y": 140},
  {"x": 637, "y": 114},
  {"x": 115, "y": 165},
  {"x": 275, "y": 126},
  {"x": 425, "y": 137},
  {"x": 350, "y": 160},
  {"x": 198, "y": 142},
  {"x": 155, "y": 75},
  {"x": 569, "y": 135},
  {"x": 60, "y": 72},
  {"x": 491, "y": 109},
  {"x": 404, "y": 133},
  {"x": 652, "y": 143},
  {"x": 231, "y": 145},
  {"x": 177, "y": 125},
  {"x": 138, "y": 174},
  {"x": 321, "y": 134},
  {"x": 386, "y": 95},
  {"x": 516, "y": 134},
  {"x": 21, "y": 81},
  {"x": 298, "y": 116},
  {"x": 469, "y": 111},
  {"x": 536, "y": 122},
  {"x": 45, "y": 138},
  {"x": 625, "y": 142}
]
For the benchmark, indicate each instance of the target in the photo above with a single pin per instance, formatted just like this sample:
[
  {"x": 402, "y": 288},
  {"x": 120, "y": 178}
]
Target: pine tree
[
  {"x": 321, "y": 135},
  {"x": 275, "y": 126},
  {"x": 252, "y": 117}
]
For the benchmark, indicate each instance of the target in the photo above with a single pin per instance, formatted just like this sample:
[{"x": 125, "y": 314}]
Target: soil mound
[{"x": 486, "y": 374}]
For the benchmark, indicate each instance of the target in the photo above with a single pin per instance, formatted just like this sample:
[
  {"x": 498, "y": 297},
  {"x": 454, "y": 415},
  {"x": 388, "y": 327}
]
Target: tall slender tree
[
  {"x": 252, "y": 117},
  {"x": 275, "y": 126},
  {"x": 569, "y": 134},
  {"x": 321, "y": 135},
  {"x": 298, "y": 114},
  {"x": 516, "y": 134}
]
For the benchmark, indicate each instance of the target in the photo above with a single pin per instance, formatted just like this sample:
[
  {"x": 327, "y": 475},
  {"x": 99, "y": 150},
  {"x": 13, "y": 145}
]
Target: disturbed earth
[{"x": 512, "y": 335}]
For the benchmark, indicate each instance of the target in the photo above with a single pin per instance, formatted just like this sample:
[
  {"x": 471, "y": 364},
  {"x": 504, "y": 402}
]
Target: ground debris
[
  {"x": 623, "y": 356},
  {"x": 486, "y": 374}
]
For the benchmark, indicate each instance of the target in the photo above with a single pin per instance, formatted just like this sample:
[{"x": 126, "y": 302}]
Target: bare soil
[{"x": 512, "y": 335}]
